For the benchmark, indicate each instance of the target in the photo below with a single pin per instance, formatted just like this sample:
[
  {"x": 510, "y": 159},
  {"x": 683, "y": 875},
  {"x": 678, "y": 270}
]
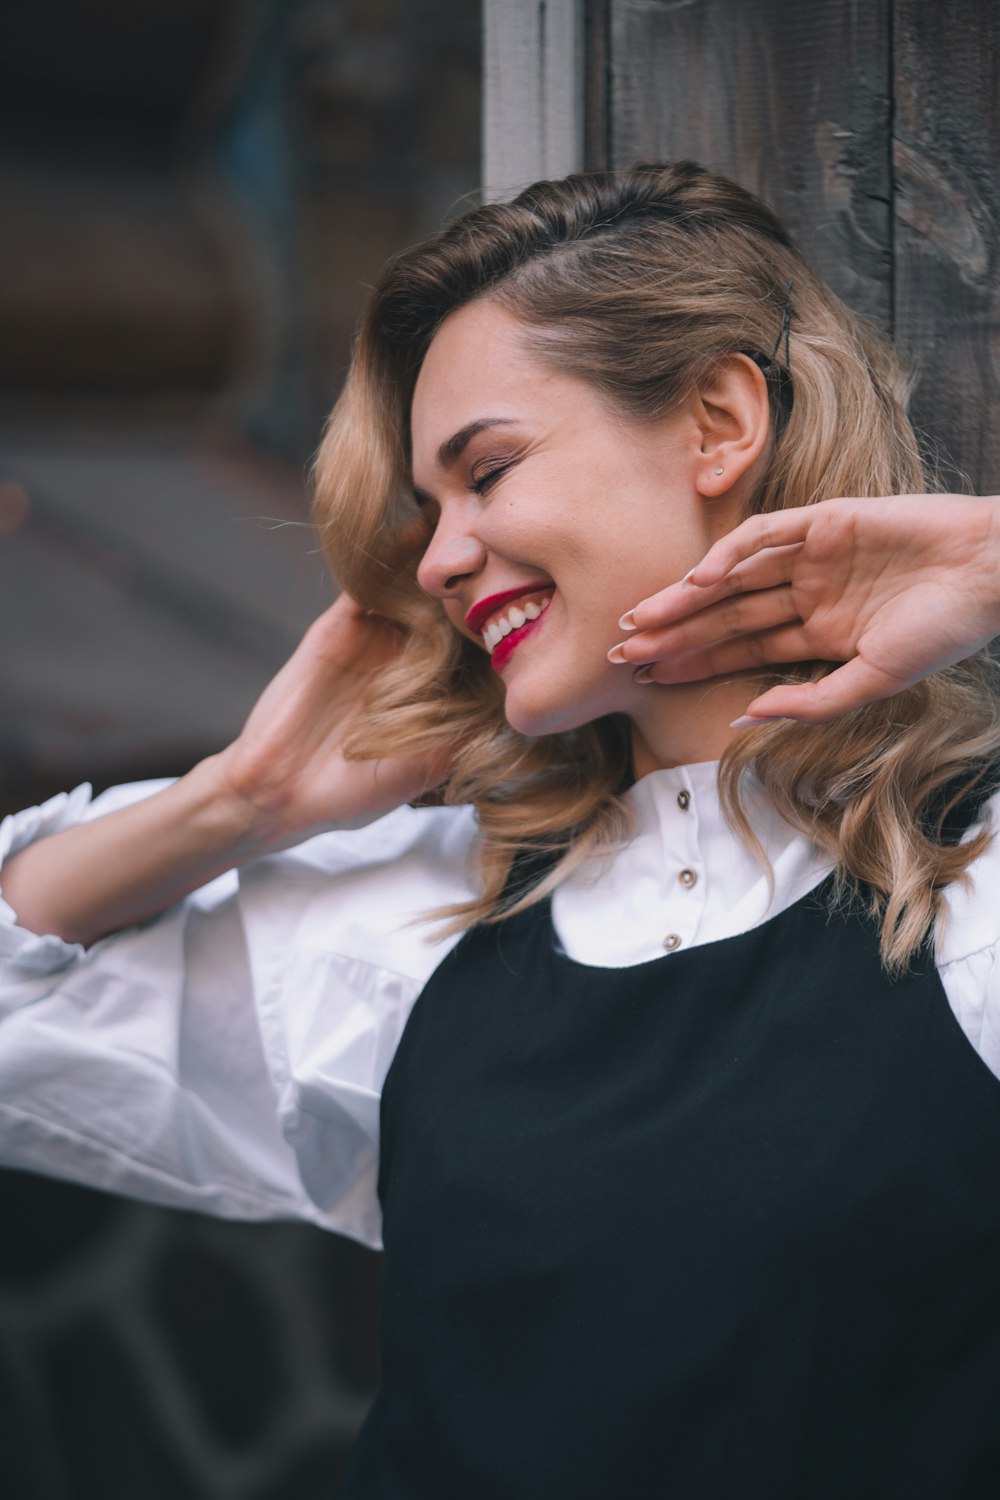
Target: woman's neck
[{"x": 686, "y": 723}]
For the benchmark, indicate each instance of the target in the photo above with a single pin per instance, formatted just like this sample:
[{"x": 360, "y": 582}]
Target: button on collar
[
  {"x": 684, "y": 800},
  {"x": 688, "y": 878}
]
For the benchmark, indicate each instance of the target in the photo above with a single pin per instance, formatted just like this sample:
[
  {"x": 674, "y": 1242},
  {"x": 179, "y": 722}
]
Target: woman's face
[{"x": 551, "y": 516}]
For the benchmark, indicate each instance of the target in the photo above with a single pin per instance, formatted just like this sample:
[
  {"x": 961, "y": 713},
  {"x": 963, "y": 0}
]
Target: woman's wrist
[
  {"x": 242, "y": 815},
  {"x": 222, "y": 820},
  {"x": 128, "y": 865}
]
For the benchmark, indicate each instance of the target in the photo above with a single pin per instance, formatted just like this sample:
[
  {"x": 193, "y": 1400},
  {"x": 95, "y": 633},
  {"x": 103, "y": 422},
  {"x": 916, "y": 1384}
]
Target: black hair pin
[
  {"x": 779, "y": 377},
  {"x": 784, "y": 330}
]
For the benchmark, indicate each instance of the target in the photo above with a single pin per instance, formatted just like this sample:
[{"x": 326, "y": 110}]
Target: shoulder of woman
[{"x": 970, "y": 922}]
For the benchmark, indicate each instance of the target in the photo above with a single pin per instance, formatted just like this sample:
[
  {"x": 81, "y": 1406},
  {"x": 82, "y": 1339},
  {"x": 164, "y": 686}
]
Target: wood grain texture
[
  {"x": 596, "y": 85},
  {"x": 533, "y": 82},
  {"x": 790, "y": 99},
  {"x": 947, "y": 226}
]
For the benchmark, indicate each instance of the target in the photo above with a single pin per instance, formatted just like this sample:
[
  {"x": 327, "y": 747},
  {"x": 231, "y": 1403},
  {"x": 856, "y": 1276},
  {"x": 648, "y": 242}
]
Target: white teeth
[{"x": 515, "y": 617}]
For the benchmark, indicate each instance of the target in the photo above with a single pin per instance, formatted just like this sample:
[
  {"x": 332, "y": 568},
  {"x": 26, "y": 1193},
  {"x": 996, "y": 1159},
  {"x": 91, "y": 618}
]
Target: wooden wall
[{"x": 872, "y": 126}]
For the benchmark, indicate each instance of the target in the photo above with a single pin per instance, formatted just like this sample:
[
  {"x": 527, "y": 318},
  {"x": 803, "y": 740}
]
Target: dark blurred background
[{"x": 195, "y": 194}]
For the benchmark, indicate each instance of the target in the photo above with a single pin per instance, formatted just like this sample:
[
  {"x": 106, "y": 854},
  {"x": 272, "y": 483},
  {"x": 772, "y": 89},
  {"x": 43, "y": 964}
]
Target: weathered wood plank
[
  {"x": 596, "y": 100},
  {"x": 533, "y": 82},
  {"x": 790, "y": 99},
  {"x": 947, "y": 225}
]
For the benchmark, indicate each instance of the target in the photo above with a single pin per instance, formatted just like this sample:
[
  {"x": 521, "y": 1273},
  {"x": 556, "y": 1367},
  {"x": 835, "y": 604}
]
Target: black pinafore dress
[{"x": 720, "y": 1226}]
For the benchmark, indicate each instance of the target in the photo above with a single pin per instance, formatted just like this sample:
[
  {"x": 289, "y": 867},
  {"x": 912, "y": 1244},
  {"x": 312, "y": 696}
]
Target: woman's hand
[
  {"x": 894, "y": 587},
  {"x": 288, "y": 767},
  {"x": 283, "y": 779}
]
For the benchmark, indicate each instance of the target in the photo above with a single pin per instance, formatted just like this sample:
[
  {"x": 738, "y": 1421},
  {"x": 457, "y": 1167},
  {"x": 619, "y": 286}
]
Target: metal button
[
  {"x": 687, "y": 878},
  {"x": 683, "y": 801},
  {"x": 672, "y": 941}
]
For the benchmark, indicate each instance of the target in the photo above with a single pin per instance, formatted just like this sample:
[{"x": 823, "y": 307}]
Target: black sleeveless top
[{"x": 724, "y": 1224}]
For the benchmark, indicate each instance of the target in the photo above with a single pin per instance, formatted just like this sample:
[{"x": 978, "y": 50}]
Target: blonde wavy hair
[{"x": 637, "y": 281}]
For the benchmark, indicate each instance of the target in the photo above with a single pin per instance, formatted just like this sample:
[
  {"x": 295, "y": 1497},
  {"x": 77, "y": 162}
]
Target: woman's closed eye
[{"x": 486, "y": 473}]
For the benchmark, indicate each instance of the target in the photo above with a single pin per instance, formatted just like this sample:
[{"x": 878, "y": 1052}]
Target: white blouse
[{"x": 228, "y": 1056}]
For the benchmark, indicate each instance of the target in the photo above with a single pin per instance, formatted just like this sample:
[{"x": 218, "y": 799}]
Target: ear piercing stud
[{"x": 719, "y": 470}]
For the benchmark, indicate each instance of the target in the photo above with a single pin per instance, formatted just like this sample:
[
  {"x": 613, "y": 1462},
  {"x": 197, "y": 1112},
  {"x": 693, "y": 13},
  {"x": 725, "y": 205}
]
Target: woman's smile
[
  {"x": 552, "y": 515},
  {"x": 503, "y": 620}
]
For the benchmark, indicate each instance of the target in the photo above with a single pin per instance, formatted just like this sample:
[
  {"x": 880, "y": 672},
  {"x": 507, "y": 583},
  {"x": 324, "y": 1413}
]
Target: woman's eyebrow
[{"x": 452, "y": 448}]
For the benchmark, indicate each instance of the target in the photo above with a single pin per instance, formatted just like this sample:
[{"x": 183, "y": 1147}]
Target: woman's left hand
[{"x": 893, "y": 588}]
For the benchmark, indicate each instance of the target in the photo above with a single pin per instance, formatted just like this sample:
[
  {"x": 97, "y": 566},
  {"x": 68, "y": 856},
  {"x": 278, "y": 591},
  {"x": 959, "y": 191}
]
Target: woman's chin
[{"x": 534, "y": 713}]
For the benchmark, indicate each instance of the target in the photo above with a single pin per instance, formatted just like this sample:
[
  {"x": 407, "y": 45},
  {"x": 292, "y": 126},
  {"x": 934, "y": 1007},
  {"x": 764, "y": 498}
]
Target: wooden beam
[
  {"x": 790, "y": 99},
  {"x": 533, "y": 70},
  {"x": 947, "y": 229}
]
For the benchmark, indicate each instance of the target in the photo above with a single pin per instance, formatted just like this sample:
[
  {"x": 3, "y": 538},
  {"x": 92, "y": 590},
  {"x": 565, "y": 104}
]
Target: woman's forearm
[
  {"x": 285, "y": 778},
  {"x": 107, "y": 874}
]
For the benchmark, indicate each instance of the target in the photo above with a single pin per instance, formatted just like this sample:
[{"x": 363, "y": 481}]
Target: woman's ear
[{"x": 733, "y": 416}]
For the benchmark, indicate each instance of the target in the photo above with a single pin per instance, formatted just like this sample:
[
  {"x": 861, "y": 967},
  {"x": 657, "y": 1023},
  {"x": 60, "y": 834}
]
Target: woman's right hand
[
  {"x": 891, "y": 587},
  {"x": 287, "y": 767},
  {"x": 284, "y": 778}
]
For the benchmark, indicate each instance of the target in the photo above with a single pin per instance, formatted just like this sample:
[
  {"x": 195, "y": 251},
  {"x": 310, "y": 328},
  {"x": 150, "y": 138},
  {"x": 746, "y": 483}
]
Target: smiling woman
[
  {"x": 583, "y": 492},
  {"x": 586, "y": 389},
  {"x": 680, "y": 1125}
]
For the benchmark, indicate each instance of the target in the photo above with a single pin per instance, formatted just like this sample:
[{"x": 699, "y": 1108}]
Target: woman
[{"x": 686, "y": 1160}]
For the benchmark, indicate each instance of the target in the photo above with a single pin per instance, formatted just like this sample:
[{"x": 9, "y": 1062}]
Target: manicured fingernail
[
  {"x": 627, "y": 621},
  {"x": 748, "y": 721},
  {"x": 617, "y": 654},
  {"x": 644, "y": 674},
  {"x": 687, "y": 575}
]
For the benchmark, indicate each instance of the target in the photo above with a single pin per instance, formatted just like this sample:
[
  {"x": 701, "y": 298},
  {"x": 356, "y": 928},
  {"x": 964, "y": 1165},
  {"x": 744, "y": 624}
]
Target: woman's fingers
[
  {"x": 779, "y": 645},
  {"x": 744, "y": 615},
  {"x": 846, "y": 688},
  {"x": 782, "y": 528},
  {"x": 892, "y": 587},
  {"x": 682, "y": 599}
]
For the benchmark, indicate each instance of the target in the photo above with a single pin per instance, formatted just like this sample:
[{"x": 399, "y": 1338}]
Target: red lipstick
[
  {"x": 480, "y": 613},
  {"x": 503, "y": 649}
]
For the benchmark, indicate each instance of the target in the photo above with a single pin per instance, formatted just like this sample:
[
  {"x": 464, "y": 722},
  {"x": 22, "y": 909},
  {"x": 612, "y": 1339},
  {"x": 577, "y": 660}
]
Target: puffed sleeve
[{"x": 228, "y": 1056}]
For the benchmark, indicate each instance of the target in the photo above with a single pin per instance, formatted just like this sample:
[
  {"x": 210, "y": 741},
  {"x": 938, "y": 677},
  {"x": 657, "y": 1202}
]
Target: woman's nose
[{"x": 450, "y": 559}]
